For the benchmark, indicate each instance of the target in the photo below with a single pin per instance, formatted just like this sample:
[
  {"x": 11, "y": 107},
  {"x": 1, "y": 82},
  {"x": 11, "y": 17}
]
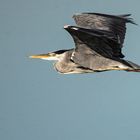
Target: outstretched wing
[
  {"x": 114, "y": 24},
  {"x": 102, "y": 42},
  {"x": 93, "y": 48}
]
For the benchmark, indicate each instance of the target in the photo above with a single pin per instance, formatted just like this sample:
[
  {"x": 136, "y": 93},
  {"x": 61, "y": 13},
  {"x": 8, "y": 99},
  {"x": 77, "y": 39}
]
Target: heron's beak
[
  {"x": 49, "y": 56},
  {"x": 40, "y": 56}
]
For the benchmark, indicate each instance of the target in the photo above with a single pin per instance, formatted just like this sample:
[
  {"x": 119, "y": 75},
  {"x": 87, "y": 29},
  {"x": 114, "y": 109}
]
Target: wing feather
[
  {"x": 115, "y": 24},
  {"x": 91, "y": 50},
  {"x": 97, "y": 40}
]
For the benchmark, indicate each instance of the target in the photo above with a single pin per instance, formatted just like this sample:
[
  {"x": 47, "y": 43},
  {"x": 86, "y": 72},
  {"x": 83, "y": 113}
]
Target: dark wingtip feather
[
  {"x": 123, "y": 16},
  {"x": 131, "y": 21},
  {"x": 128, "y": 18}
]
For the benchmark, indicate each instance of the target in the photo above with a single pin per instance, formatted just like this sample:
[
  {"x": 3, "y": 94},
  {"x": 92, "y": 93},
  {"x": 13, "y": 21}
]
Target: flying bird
[{"x": 98, "y": 42}]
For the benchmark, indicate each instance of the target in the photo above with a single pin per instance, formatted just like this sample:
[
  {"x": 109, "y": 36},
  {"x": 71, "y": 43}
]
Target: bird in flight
[{"x": 98, "y": 42}]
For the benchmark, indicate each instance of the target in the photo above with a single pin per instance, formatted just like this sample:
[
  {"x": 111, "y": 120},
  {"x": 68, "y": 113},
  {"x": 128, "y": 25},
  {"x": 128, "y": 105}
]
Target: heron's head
[{"x": 57, "y": 55}]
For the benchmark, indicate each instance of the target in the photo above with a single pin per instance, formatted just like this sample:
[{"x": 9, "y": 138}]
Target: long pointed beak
[
  {"x": 49, "y": 56},
  {"x": 40, "y": 56}
]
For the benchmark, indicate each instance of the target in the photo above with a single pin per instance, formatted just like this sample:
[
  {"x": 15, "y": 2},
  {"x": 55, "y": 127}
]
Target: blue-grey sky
[{"x": 37, "y": 103}]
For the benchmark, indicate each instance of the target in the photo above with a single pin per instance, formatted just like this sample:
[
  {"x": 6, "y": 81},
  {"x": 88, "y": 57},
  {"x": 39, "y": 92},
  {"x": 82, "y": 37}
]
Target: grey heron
[{"x": 98, "y": 42}]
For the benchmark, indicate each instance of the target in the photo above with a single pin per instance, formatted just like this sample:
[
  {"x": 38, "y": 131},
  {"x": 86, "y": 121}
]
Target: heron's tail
[{"x": 132, "y": 66}]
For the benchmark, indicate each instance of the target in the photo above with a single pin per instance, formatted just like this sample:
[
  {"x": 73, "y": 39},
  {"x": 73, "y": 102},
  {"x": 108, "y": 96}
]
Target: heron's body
[
  {"x": 66, "y": 66},
  {"x": 99, "y": 40}
]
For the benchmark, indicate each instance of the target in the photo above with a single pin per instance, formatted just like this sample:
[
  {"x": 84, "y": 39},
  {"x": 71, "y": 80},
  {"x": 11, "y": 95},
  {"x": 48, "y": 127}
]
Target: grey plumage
[
  {"x": 98, "y": 44},
  {"x": 113, "y": 24}
]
